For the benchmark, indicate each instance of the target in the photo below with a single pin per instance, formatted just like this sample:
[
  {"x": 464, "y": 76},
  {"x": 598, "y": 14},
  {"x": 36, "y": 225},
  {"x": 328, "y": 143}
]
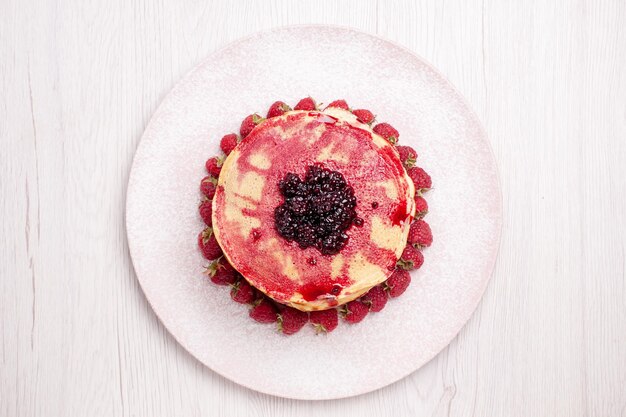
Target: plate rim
[{"x": 470, "y": 111}]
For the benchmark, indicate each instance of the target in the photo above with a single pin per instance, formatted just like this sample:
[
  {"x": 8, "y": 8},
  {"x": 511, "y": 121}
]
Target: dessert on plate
[{"x": 313, "y": 211}]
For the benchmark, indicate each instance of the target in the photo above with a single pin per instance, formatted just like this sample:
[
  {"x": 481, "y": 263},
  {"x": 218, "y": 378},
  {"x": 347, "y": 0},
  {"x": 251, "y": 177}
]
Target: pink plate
[{"x": 326, "y": 63}]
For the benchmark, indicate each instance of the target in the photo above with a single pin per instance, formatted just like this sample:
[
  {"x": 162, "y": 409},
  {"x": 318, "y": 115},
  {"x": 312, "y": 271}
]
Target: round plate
[{"x": 327, "y": 63}]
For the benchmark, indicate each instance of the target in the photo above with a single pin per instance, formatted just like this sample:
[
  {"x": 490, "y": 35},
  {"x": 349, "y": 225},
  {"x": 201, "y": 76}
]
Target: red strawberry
[
  {"x": 398, "y": 282},
  {"x": 364, "y": 116},
  {"x": 420, "y": 179},
  {"x": 208, "y": 244},
  {"x": 306, "y": 104},
  {"x": 264, "y": 311},
  {"x": 324, "y": 321},
  {"x": 221, "y": 272},
  {"x": 214, "y": 166},
  {"x": 376, "y": 298},
  {"x": 340, "y": 104},
  {"x": 354, "y": 311},
  {"x": 278, "y": 109},
  {"x": 387, "y": 132},
  {"x": 420, "y": 234},
  {"x": 411, "y": 258},
  {"x": 206, "y": 210},
  {"x": 291, "y": 320},
  {"x": 229, "y": 142},
  {"x": 407, "y": 155},
  {"x": 242, "y": 292},
  {"x": 249, "y": 123},
  {"x": 207, "y": 187},
  {"x": 421, "y": 206}
]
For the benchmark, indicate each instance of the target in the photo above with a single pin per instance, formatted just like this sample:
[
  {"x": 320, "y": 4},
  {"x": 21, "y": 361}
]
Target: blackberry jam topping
[{"x": 317, "y": 211}]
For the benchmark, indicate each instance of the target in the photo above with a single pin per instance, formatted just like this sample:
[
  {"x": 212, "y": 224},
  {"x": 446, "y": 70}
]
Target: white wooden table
[{"x": 79, "y": 81}]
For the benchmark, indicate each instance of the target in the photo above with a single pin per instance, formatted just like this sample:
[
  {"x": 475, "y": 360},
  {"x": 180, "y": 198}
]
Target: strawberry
[
  {"x": 407, "y": 156},
  {"x": 420, "y": 234},
  {"x": 206, "y": 210},
  {"x": 249, "y": 123},
  {"x": 291, "y": 320},
  {"x": 208, "y": 244},
  {"x": 354, "y": 311},
  {"x": 364, "y": 116},
  {"x": 306, "y": 104},
  {"x": 397, "y": 283},
  {"x": 207, "y": 187},
  {"x": 420, "y": 179},
  {"x": 229, "y": 142},
  {"x": 339, "y": 104},
  {"x": 278, "y": 109},
  {"x": 242, "y": 292},
  {"x": 387, "y": 132},
  {"x": 375, "y": 299},
  {"x": 421, "y": 206},
  {"x": 214, "y": 166},
  {"x": 221, "y": 272},
  {"x": 411, "y": 258},
  {"x": 263, "y": 311},
  {"x": 324, "y": 321}
]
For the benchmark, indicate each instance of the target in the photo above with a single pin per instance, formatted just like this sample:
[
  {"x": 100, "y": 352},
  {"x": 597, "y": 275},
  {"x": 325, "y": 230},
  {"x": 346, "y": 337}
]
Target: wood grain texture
[{"x": 80, "y": 80}]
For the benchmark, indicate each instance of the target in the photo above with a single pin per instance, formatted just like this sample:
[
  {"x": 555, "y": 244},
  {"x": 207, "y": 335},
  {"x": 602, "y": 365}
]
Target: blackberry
[
  {"x": 290, "y": 185},
  {"x": 316, "y": 211}
]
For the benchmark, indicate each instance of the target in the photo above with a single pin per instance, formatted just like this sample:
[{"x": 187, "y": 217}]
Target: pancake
[{"x": 314, "y": 277}]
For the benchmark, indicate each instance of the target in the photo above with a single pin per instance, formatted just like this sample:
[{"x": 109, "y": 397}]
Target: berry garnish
[
  {"x": 214, "y": 166},
  {"x": 408, "y": 156},
  {"x": 324, "y": 321},
  {"x": 249, "y": 123},
  {"x": 387, "y": 132},
  {"x": 364, "y": 116},
  {"x": 278, "y": 109},
  {"x": 306, "y": 104},
  {"x": 229, "y": 142},
  {"x": 421, "y": 206},
  {"x": 398, "y": 282},
  {"x": 221, "y": 272},
  {"x": 207, "y": 187},
  {"x": 208, "y": 244},
  {"x": 420, "y": 179},
  {"x": 375, "y": 299},
  {"x": 264, "y": 311},
  {"x": 354, "y": 311},
  {"x": 242, "y": 292},
  {"x": 339, "y": 104},
  {"x": 420, "y": 234},
  {"x": 411, "y": 258},
  {"x": 206, "y": 210},
  {"x": 317, "y": 211},
  {"x": 291, "y": 320}
]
